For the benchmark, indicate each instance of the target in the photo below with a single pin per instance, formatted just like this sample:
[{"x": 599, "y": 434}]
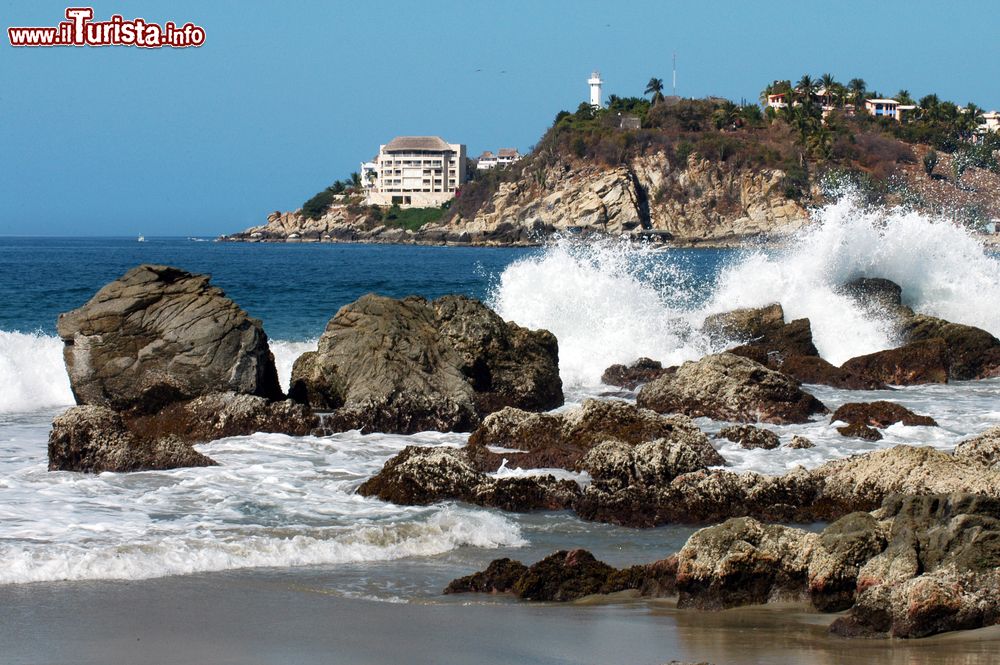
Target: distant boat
[{"x": 142, "y": 238}]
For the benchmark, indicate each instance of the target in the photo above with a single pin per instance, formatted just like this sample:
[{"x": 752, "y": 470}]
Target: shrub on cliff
[{"x": 315, "y": 207}]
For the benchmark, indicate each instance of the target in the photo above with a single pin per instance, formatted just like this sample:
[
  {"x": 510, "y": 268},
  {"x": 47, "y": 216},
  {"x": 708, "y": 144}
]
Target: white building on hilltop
[
  {"x": 991, "y": 122},
  {"x": 503, "y": 157},
  {"x": 417, "y": 172},
  {"x": 595, "y": 83},
  {"x": 888, "y": 108}
]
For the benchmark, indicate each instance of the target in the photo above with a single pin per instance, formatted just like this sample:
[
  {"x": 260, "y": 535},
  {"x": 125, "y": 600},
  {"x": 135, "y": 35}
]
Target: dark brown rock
[
  {"x": 918, "y": 362},
  {"x": 860, "y": 431},
  {"x": 762, "y": 332},
  {"x": 159, "y": 335},
  {"x": 972, "y": 352},
  {"x": 499, "y": 577},
  {"x": 221, "y": 415},
  {"x": 632, "y": 376},
  {"x": 815, "y": 370},
  {"x": 877, "y": 295},
  {"x": 569, "y": 575},
  {"x": 730, "y": 387},
  {"x": 751, "y": 437},
  {"x": 880, "y": 414},
  {"x": 96, "y": 439},
  {"x": 565, "y": 575}
]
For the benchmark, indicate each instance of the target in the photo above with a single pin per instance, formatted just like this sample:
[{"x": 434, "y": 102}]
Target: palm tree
[
  {"x": 655, "y": 88},
  {"x": 356, "y": 180},
  {"x": 829, "y": 86},
  {"x": 969, "y": 121},
  {"x": 819, "y": 143},
  {"x": 727, "y": 115},
  {"x": 858, "y": 88},
  {"x": 806, "y": 87},
  {"x": 903, "y": 97}
]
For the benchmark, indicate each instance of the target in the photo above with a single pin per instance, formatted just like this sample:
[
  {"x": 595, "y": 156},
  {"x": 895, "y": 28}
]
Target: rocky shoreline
[{"x": 159, "y": 360}]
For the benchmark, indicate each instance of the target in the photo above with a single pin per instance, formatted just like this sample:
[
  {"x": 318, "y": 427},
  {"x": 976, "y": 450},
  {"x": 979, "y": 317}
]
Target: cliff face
[{"x": 648, "y": 197}]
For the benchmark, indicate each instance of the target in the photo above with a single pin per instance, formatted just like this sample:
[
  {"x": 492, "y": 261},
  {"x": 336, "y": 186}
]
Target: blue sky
[{"x": 285, "y": 97}]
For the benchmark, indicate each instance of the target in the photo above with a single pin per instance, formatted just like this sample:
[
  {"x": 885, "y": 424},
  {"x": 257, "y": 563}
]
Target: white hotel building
[{"x": 415, "y": 172}]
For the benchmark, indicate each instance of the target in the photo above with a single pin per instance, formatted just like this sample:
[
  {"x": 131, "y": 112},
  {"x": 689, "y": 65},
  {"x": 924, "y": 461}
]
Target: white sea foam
[
  {"x": 32, "y": 372},
  {"x": 211, "y": 549},
  {"x": 274, "y": 501},
  {"x": 610, "y": 302},
  {"x": 942, "y": 269},
  {"x": 605, "y": 301},
  {"x": 285, "y": 354}
]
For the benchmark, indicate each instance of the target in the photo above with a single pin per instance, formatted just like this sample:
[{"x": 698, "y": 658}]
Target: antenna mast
[{"x": 675, "y": 74}]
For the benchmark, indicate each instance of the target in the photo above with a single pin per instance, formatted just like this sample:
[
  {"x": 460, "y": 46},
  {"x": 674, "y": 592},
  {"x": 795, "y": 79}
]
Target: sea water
[{"x": 288, "y": 503}]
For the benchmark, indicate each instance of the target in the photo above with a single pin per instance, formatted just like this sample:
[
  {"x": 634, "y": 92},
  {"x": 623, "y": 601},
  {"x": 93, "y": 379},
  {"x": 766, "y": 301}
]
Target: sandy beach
[{"x": 281, "y": 617}]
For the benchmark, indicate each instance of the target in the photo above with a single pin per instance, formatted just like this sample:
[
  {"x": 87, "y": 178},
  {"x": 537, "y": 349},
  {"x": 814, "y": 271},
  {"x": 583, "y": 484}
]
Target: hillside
[{"x": 697, "y": 172}]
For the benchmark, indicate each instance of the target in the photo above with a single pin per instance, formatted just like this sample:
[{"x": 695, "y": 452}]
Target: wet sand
[{"x": 255, "y": 617}]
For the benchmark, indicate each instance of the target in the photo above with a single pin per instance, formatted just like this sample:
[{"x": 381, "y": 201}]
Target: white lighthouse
[{"x": 595, "y": 89}]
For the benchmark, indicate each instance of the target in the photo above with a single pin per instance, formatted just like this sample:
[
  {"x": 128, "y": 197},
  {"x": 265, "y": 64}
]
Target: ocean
[{"x": 285, "y": 506}]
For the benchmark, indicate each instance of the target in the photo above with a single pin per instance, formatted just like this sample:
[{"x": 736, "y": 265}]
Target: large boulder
[
  {"x": 843, "y": 548},
  {"x": 96, "y": 439},
  {"x": 632, "y": 376},
  {"x": 923, "y": 361},
  {"x": 159, "y": 335},
  {"x": 409, "y": 365},
  {"x": 743, "y": 562},
  {"x": 880, "y": 414},
  {"x": 762, "y": 329},
  {"x": 879, "y": 296},
  {"x": 730, "y": 387},
  {"x": 939, "y": 570},
  {"x": 972, "y": 352},
  {"x": 507, "y": 365}
]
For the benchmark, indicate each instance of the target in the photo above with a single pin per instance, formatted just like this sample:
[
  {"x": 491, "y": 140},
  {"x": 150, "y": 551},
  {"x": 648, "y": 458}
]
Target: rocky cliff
[{"x": 697, "y": 201}]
